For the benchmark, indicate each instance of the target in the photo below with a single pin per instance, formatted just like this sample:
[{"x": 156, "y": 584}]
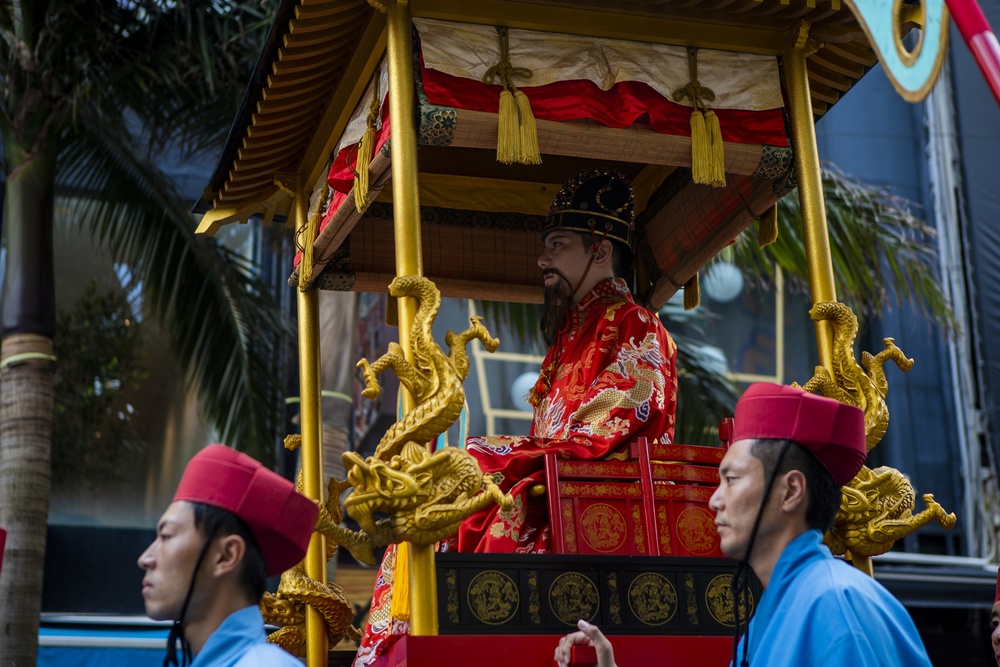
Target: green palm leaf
[{"x": 224, "y": 326}]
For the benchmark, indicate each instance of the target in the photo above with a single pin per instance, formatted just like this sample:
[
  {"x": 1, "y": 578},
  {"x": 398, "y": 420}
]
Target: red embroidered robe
[{"x": 609, "y": 378}]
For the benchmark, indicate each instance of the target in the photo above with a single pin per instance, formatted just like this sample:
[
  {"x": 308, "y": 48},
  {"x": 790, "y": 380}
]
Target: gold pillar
[
  {"x": 811, "y": 202},
  {"x": 406, "y": 228},
  {"x": 817, "y": 239},
  {"x": 317, "y": 651}
]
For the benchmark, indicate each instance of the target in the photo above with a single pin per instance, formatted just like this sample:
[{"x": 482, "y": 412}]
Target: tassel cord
[{"x": 177, "y": 629}]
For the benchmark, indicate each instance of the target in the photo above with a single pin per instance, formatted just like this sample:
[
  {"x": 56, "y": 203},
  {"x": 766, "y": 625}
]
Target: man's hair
[
  {"x": 621, "y": 255},
  {"x": 217, "y": 522},
  {"x": 822, "y": 493}
]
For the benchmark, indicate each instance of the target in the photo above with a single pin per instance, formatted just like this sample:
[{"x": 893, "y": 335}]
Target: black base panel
[{"x": 547, "y": 594}]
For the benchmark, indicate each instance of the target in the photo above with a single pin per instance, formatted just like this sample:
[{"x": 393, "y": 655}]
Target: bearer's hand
[{"x": 589, "y": 635}]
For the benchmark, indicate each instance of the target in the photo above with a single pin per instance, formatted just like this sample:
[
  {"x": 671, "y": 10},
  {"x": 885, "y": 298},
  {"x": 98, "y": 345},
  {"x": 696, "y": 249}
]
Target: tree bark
[{"x": 26, "y": 399}]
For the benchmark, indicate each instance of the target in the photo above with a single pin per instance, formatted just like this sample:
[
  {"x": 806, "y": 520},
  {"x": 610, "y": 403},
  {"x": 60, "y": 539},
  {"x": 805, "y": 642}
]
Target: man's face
[
  {"x": 169, "y": 562},
  {"x": 737, "y": 500},
  {"x": 563, "y": 261},
  {"x": 995, "y": 637}
]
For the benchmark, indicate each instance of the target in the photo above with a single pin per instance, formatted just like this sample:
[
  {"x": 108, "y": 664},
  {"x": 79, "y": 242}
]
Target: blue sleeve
[{"x": 268, "y": 655}]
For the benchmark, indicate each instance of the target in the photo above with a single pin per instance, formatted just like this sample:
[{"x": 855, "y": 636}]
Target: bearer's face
[
  {"x": 563, "y": 256},
  {"x": 170, "y": 561},
  {"x": 737, "y": 500},
  {"x": 995, "y": 637}
]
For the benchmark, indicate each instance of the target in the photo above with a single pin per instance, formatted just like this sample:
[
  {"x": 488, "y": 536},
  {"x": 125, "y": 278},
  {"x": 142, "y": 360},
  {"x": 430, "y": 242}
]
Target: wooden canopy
[{"x": 480, "y": 218}]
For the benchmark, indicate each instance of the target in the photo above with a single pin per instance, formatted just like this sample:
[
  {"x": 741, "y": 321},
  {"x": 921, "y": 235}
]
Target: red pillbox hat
[
  {"x": 832, "y": 431},
  {"x": 280, "y": 518}
]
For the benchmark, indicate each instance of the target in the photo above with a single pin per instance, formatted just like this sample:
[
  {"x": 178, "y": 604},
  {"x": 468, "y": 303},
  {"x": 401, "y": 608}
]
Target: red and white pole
[{"x": 980, "y": 39}]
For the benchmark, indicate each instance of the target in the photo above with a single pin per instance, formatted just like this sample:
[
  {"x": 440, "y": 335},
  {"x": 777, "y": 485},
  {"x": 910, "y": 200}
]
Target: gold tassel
[
  {"x": 692, "y": 294},
  {"x": 311, "y": 228},
  {"x": 508, "y": 131},
  {"x": 517, "y": 134},
  {"x": 716, "y": 151},
  {"x": 529, "y": 153},
  {"x": 700, "y": 149},
  {"x": 400, "y": 607},
  {"x": 767, "y": 232},
  {"x": 361, "y": 169},
  {"x": 365, "y": 153}
]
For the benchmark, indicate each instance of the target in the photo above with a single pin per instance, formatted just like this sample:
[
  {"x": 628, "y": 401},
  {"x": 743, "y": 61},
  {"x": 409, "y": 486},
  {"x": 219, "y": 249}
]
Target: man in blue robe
[
  {"x": 231, "y": 524},
  {"x": 779, "y": 489}
]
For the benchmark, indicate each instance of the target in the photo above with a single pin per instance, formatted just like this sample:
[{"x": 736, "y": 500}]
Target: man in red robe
[
  {"x": 609, "y": 377},
  {"x": 610, "y": 373}
]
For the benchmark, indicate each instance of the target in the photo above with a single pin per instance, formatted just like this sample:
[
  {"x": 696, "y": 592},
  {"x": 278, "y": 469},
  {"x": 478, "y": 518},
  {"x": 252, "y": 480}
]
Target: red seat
[{"x": 653, "y": 503}]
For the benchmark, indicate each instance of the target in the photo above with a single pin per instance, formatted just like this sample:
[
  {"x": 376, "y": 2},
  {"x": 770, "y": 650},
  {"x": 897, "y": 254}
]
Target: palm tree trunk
[{"x": 26, "y": 376}]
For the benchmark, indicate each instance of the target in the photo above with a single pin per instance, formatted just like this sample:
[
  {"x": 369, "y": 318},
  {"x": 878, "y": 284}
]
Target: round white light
[
  {"x": 722, "y": 282},
  {"x": 520, "y": 387}
]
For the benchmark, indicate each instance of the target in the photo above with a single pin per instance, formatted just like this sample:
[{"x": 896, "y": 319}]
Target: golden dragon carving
[
  {"x": 296, "y": 590},
  {"x": 877, "y": 505},
  {"x": 434, "y": 379},
  {"x": 423, "y": 495}
]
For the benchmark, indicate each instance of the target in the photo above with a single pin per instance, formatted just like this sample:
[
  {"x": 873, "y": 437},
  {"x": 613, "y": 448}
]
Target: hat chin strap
[
  {"x": 177, "y": 629},
  {"x": 594, "y": 244},
  {"x": 741, "y": 583}
]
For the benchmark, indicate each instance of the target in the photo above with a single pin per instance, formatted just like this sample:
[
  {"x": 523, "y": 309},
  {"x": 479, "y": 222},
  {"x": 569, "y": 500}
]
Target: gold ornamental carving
[
  {"x": 451, "y": 582},
  {"x": 434, "y": 379},
  {"x": 419, "y": 497},
  {"x": 692, "y": 599},
  {"x": 603, "y": 527},
  {"x": 493, "y": 597},
  {"x": 877, "y": 505},
  {"x": 652, "y": 598},
  {"x": 719, "y": 601},
  {"x": 296, "y": 590},
  {"x": 534, "y": 600},
  {"x": 696, "y": 530},
  {"x": 573, "y": 596},
  {"x": 614, "y": 604}
]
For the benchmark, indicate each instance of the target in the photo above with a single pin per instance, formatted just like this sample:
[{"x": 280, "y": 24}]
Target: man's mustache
[{"x": 554, "y": 272}]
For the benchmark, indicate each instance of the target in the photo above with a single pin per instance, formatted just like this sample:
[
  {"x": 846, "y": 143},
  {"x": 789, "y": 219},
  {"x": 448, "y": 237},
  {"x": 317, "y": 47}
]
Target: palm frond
[
  {"x": 883, "y": 255},
  {"x": 224, "y": 326}
]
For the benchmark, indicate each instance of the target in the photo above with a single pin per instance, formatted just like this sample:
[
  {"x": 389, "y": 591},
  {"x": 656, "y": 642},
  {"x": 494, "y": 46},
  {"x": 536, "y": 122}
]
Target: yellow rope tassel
[
  {"x": 517, "y": 134},
  {"x": 767, "y": 232},
  {"x": 508, "y": 130},
  {"x": 310, "y": 231},
  {"x": 692, "y": 294},
  {"x": 366, "y": 150},
  {"x": 528, "y": 130},
  {"x": 716, "y": 151},
  {"x": 708, "y": 164},
  {"x": 361, "y": 170},
  {"x": 400, "y": 607},
  {"x": 701, "y": 171}
]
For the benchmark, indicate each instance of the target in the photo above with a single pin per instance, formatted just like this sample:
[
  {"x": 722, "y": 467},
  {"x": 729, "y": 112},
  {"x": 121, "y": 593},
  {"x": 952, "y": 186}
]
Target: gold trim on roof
[{"x": 330, "y": 49}]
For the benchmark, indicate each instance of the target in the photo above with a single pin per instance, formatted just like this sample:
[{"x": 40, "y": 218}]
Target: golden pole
[
  {"x": 811, "y": 202},
  {"x": 807, "y": 170},
  {"x": 317, "y": 651},
  {"x": 406, "y": 228}
]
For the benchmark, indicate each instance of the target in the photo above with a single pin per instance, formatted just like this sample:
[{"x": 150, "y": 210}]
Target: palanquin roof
[{"x": 320, "y": 61}]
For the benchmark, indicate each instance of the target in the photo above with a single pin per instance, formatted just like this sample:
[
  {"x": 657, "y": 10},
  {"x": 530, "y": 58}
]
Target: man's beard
[{"x": 556, "y": 306}]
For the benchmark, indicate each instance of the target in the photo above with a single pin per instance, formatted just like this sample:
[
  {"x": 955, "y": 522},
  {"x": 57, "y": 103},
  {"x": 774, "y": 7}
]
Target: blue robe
[
  {"x": 818, "y": 610},
  {"x": 241, "y": 642}
]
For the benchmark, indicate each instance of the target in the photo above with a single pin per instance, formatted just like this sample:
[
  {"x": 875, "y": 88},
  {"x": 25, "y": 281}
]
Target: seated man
[
  {"x": 608, "y": 378},
  {"x": 232, "y": 523}
]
